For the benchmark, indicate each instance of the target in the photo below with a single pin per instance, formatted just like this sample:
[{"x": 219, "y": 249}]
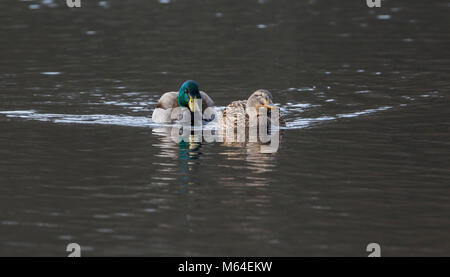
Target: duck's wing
[
  {"x": 206, "y": 100},
  {"x": 163, "y": 110},
  {"x": 236, "y": 112},
  {"x": 168, "y": 100},
  {"x": 235, "y": 107}
]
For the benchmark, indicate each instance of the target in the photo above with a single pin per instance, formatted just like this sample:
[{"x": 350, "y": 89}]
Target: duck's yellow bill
[{"x": 191, "y": 104}]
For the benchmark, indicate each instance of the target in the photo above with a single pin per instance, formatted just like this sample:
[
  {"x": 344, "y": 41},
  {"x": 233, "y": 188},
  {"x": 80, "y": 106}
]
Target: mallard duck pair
[{"x": 190, "y": 92}]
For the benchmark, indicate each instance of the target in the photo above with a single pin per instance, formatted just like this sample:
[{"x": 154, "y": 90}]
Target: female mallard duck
[
  {"x": 240, "y": 110},
  {"x": 185, "y": 98}
]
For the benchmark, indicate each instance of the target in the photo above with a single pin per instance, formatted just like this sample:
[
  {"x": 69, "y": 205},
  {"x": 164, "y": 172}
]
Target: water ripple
[
  {"x": 143, "y": 121},
  {"x": 102, "y": 119}
]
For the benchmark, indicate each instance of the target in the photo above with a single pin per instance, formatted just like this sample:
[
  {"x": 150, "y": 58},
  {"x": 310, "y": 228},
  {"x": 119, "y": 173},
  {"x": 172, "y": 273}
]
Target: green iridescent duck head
[{"x": 188, "y": 93}]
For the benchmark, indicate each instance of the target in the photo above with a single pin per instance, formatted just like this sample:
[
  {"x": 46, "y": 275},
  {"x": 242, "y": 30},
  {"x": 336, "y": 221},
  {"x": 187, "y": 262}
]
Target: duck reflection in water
[
  {"x": 186, "y": 153},
  {"x": 257, "y": 155},
  {"x": 187, "y": 148}
]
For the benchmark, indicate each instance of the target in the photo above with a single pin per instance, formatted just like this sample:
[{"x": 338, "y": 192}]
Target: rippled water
[{"x": 364, "y": 156}]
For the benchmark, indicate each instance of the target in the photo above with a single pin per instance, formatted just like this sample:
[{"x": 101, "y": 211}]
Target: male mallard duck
[
  {"x": 259, "y": 99},
  {"x": 185, "y": 97}
]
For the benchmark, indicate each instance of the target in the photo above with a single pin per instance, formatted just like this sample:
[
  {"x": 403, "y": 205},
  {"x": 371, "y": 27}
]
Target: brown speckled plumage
[{"x": 238, "y": 111}]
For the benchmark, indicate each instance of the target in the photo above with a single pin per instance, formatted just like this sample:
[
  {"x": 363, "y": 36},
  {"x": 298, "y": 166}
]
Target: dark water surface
[{"x": 365, "y": 156}]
